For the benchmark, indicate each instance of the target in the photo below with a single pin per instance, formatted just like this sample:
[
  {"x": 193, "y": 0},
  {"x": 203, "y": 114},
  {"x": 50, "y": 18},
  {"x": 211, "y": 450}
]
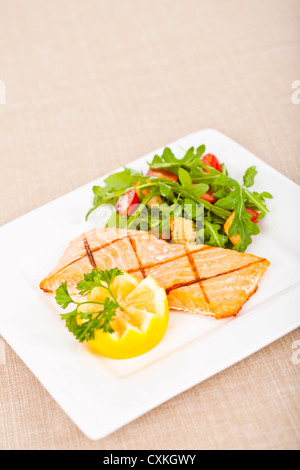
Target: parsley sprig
[{"x": 99, "y": 319}]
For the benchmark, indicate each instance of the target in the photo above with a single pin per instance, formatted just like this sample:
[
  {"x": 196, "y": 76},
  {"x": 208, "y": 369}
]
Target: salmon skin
[{"x": 197, "y": 278}]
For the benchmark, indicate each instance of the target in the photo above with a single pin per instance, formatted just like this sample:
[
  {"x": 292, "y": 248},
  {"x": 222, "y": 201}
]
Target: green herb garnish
[{"x": 100, "y": 319}]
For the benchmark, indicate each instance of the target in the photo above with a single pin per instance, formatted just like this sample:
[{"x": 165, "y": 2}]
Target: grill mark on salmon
[
  {"x": 107, "y": 244},
  {"x": 203, "y": 292},
  {"x": 199, "y": 280},
  {"x": 130, "y": 237},
  {"x": 159, "y": 263},
  {"x": 141, "y": 268},
  {"x": 89, "y": 253},
  {"x": 179, "y": 285},
  {"x": 229, "y": 292},
  {"x": 192, "y": 264},
  {"x": 229, "y": 272},
  {"x": 92, "y": 250},
  {"x": 225, "y": 278},
  {"x": 189, "y": 255},
  {"x": 234, "y": 270}
]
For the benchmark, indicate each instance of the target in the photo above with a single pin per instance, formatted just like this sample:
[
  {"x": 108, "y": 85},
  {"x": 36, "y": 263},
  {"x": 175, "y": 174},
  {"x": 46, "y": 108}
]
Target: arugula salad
[{"x": 194, "y": 199}]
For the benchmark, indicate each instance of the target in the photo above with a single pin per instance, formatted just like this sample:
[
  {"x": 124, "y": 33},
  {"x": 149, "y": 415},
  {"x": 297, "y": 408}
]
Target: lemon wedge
[{"x": 141, "y": 322}]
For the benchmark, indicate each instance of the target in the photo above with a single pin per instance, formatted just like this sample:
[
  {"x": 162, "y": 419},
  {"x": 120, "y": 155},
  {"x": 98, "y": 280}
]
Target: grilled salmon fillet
[{"x": 197, "y": 278}]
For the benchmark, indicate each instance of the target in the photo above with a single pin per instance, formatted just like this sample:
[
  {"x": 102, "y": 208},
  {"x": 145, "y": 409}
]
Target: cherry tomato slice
[
  {"x": 209, "y": 196},
  {"x": 165, "y": 174},
  {"x": 254, "y": 214},
  {"x": 210, "y": 160},
  {"x": 126, "y": 204}
]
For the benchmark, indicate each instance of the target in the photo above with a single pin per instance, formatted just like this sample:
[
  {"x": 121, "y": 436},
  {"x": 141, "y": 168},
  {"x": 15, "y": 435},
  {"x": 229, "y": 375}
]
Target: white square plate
[{"x": 194, "y": 348}]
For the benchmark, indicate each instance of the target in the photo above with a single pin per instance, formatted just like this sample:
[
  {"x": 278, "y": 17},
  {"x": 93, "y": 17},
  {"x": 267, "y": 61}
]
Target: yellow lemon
[{"x": 141, "y": 322}]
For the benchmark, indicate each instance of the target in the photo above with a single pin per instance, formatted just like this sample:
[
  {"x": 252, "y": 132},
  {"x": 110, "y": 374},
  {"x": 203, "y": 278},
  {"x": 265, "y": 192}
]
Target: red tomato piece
[
  {"x": 254, "y": 214},
  {"x": 126, "y": 204},
  {"x": 165, "y": 174},
  {"x": 210, "y": 160},
  {"x": 209, "y": 196}
]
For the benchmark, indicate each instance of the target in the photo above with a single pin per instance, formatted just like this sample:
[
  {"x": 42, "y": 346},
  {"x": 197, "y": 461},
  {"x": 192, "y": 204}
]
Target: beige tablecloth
[{"x": 93, "y": 84}]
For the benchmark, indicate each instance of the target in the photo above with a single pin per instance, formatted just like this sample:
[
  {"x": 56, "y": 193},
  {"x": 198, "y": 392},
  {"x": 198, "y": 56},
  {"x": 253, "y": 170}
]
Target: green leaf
[
  {"x": 115, "y": 186},
  {"x": 71, "y": 320},
  {"x": 249, "y": 176},
  {"x": 189, "y": 156},
  {"x": 212, "y": 236},
  {"x": 241, "y": 223},
  {"x": 98, "y": 319},
  {"x": 93, "y": 321},
  {"x": 184, "y": 177},
  {"x": 197, "y": 189},
  {"x": 199, "y": 175},
  {"x": 224, "y": 169},
  {"x": 104, "y": 197},
  {"x": 97, "y": 278},
  {"x": 62, "y": 296},
  {"x": 168, "y": 155},
  {"x": 264, "y": 194},
  {"x": 200, "y": 151},
  {"x": 245, "y": 228},
  {"x": 257, "y": 201},
  {"x": 121, "y": 180},
  {"x": 169, "y": 161},
  {"x": 221, "y": 193},
  {"x": 165, "y": 189}
]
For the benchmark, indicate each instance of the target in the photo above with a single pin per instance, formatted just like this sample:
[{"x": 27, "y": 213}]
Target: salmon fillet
[{"x": 197, "y": 278}]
